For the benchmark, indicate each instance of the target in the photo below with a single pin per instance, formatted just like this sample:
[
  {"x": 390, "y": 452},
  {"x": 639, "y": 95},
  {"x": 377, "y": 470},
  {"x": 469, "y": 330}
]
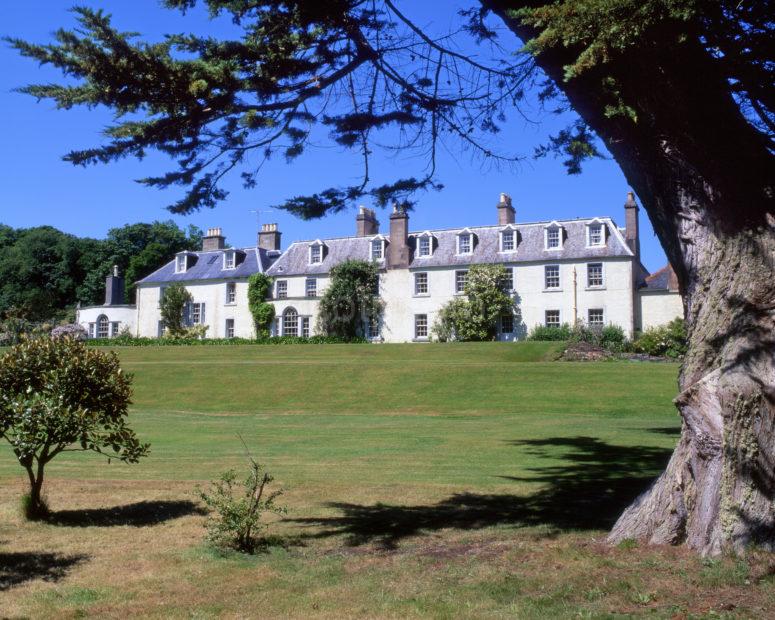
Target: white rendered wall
[
  {"x": 401, "y": 304},
  {"x": 213, "y": 294},
  {"x": 656, "y": 308},
  {"x": 126, "y": 316}
]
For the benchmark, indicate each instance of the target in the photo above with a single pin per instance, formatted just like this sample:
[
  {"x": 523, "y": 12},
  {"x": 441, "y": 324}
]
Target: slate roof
[
  {"x": 661, "y": 280},
  {"x": 530, "y": 247},
  {"x": 209, "y": 266}
]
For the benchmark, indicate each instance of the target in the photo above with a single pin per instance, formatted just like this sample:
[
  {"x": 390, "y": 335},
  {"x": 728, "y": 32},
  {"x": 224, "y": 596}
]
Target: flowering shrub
[
  {"x": 73, "y": 330},
  {"x": 666, "y": 340}
]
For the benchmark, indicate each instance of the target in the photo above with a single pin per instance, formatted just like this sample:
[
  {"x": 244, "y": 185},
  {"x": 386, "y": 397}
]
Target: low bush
[
  {"x": 123, "y": 340},
  {"x": 236, "y": 509},
  {"x": 71, "y": 330},
  {"x": 542, "y": 332},
  {"x": 665, "y": 341}
]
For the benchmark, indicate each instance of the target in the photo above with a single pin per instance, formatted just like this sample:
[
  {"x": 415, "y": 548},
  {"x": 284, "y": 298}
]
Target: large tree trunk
[{"x": 706, "y": 179}]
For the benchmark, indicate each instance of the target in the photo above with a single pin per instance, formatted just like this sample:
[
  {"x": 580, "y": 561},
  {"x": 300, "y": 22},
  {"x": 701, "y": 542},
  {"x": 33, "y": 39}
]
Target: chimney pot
[
  {"x": 398, "y": 254},
  {"x": 506, "y": 212},
  {"x": 269, "y": 237},
  {"x": 631, "y": 225},
  {"x": 213, "y": 240},
  {"x": 366, "y": 223}
]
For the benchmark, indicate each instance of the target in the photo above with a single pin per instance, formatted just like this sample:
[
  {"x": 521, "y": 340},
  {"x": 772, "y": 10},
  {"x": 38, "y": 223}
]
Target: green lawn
[{"x": 442, "y": 480}]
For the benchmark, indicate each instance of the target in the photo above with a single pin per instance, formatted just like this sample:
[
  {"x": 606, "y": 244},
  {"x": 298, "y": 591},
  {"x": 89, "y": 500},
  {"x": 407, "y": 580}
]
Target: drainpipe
[{"x": 575, "y": 301}]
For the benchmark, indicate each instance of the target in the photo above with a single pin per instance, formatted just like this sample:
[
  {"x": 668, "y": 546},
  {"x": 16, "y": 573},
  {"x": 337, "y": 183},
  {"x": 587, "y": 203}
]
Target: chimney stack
[
  {"x": 213, "y": 240},
  {"x": 269, "y": 237},
  {"x": 366, "y": 223},
  {"x": 114, "y": 288},
  {"x": 398, "y": 248},
  {"x": 631, "y": 224},
  {"x": 506, "y": 212}
]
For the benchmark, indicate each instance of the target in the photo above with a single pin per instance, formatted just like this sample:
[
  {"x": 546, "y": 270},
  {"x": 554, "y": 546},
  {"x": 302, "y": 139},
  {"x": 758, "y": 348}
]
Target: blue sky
[{"x": 39, "y": 188}]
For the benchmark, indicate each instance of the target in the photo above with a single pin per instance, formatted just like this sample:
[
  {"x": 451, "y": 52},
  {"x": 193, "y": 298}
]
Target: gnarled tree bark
[{"x": 706, "y": 179}]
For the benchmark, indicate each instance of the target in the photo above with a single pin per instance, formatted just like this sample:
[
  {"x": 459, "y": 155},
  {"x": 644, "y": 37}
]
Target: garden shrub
[
  {"x": 171, "y": 308},
  {"x": 542, "y": 332},
  {"x": 259, "y": 285},
  {"x": 236, "y": 509},
  {"x": 71, "y": 330},
  {"x": 476, "y": 317},
  {"x": 350, "y": 303},
  {"x": 668, "y": 340},
  {"x": 143, "y": 341}
]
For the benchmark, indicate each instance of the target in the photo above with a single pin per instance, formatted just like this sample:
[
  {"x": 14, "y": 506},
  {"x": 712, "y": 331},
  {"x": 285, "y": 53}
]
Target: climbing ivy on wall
[{"x": 259, "y": 285}]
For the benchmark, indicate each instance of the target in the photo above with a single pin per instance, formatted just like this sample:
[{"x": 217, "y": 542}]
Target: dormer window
[
  {"x": 465, "y": 242},
  {"x": 553, "y": 236},
  {"x": 229, "y": 259},
  {"x": 595, "y": 234},
  {"x": 316, "y": 253},
  {"x": 378, "y": 248},
  {"x": 424, "y": 245},
  {"x": 508, "y": 239},
  {"x": 181, "y": 263}
]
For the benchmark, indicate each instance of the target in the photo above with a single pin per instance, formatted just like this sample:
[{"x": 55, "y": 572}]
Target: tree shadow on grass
[
  {"x": 19, "y": 567},
  {"x": 138, "y": 514},
  {"x": 588, "y": 489}
]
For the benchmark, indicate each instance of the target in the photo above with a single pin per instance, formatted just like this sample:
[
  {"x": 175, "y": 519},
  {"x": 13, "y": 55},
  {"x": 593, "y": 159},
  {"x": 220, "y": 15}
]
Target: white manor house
[{"x": 562, "y": 271}]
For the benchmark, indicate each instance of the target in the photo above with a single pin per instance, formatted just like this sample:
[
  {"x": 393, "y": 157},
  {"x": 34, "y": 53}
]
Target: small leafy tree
[
  {"x": 172, "y": 306},
  {"x": 350, "y": 302},
  {"x": 58, "y": 395},
  {"x": 476, "y": 317},
  {"x": 235, "y": 519},
  {"x": 259, "y": 285}
]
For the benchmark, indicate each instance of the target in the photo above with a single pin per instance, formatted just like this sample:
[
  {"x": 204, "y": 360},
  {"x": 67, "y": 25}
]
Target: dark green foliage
[
  {"x": 295, "y": 70},
  {"x": 259, "y": 285},
  {"x": 237, "y": 508},
  {"x": 57, "y": 395},
  {"x": 44, "y": 272},
  {"x": 350, "y": 303},
  {"x": 171, "y": 308},
  {"x": 542, "y": 332},
  {"x": 131, "y": 341},
  {"x": 476, "y": 317},
  {"x": 668, "y": 340}
]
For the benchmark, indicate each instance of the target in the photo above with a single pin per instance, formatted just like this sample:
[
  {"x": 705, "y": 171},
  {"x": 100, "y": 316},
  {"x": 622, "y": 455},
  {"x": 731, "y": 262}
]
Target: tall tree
[{"x": 678, "y": 90}]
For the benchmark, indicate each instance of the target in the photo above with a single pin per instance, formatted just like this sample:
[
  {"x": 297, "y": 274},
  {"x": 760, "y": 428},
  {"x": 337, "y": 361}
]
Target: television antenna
[{"x": 258, "y": 213}]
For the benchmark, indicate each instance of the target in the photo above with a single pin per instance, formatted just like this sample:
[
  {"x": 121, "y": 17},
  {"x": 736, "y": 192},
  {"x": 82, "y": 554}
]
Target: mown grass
[{"x": 445, "y": 480}]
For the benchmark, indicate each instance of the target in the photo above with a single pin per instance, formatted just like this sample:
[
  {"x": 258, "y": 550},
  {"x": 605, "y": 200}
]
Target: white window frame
[
  {"x": 417, "y": 335},
  {"x": 178, "y": 267},
  {"x": 553, "y": 226},
  {"x": 198, "y": 316},
  {"x": 281, "y": 294},
  {"x": 316, "y": 246},
  {"x": 590, "y": 226},
  {"x": 231, "y": 293},
  {"x": 377, "y": 242},
  {"x": 546, "y": 318},
  {"x": 305, "y": 327},
  {"x": 102, "y": 327},
  {"x": 461, "y": 290},
  {"x": 509, "y": 279},
  {"x": 229, "y": 260},
  {"x": 424, "y": 238},
  {"x": 546, "y": 278},
  {"x": 229, "y": 328},
  {"x": 313, "y": 289},
  {"x": 511, "y": 232},
  {"x": 418, "y": 276},
  {"x": 468, "y": 234},
  {"x": 602, "y": 317},
  {"x": 287, "y": 313},
  {"x": 509, "y": 317},
  {"x": 602, "y": 276}
]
